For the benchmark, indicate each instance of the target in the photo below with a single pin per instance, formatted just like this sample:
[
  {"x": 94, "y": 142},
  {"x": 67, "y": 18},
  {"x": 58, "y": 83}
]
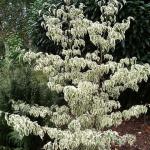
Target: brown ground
[{"x": 139, "y": 127}]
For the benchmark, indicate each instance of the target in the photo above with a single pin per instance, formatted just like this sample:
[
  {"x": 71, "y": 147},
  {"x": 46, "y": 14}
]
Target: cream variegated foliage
[{"x": 90, "y": 81}]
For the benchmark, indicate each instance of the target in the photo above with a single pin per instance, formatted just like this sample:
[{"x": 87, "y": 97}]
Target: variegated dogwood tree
[{"x": 89, "y": 80}]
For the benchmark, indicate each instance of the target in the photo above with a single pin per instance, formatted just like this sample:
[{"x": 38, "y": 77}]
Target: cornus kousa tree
[{"x": 89, "y": 82}]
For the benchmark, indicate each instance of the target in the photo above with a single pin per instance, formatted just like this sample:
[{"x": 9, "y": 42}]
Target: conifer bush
[{"x": 87, "y": 83}]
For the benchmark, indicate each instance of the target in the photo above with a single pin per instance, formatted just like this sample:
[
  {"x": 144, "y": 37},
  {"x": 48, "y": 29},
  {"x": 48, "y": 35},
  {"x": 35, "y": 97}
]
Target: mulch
[{"x": 138, "y": 127}]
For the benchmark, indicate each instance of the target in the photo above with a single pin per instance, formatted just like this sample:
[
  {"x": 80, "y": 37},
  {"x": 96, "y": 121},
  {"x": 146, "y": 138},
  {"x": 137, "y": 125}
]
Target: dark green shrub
[{"x": 137, "y": 41}]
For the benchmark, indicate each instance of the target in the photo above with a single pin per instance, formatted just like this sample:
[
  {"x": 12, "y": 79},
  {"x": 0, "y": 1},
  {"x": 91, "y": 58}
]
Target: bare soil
[{"x": 138, "y": 127}]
